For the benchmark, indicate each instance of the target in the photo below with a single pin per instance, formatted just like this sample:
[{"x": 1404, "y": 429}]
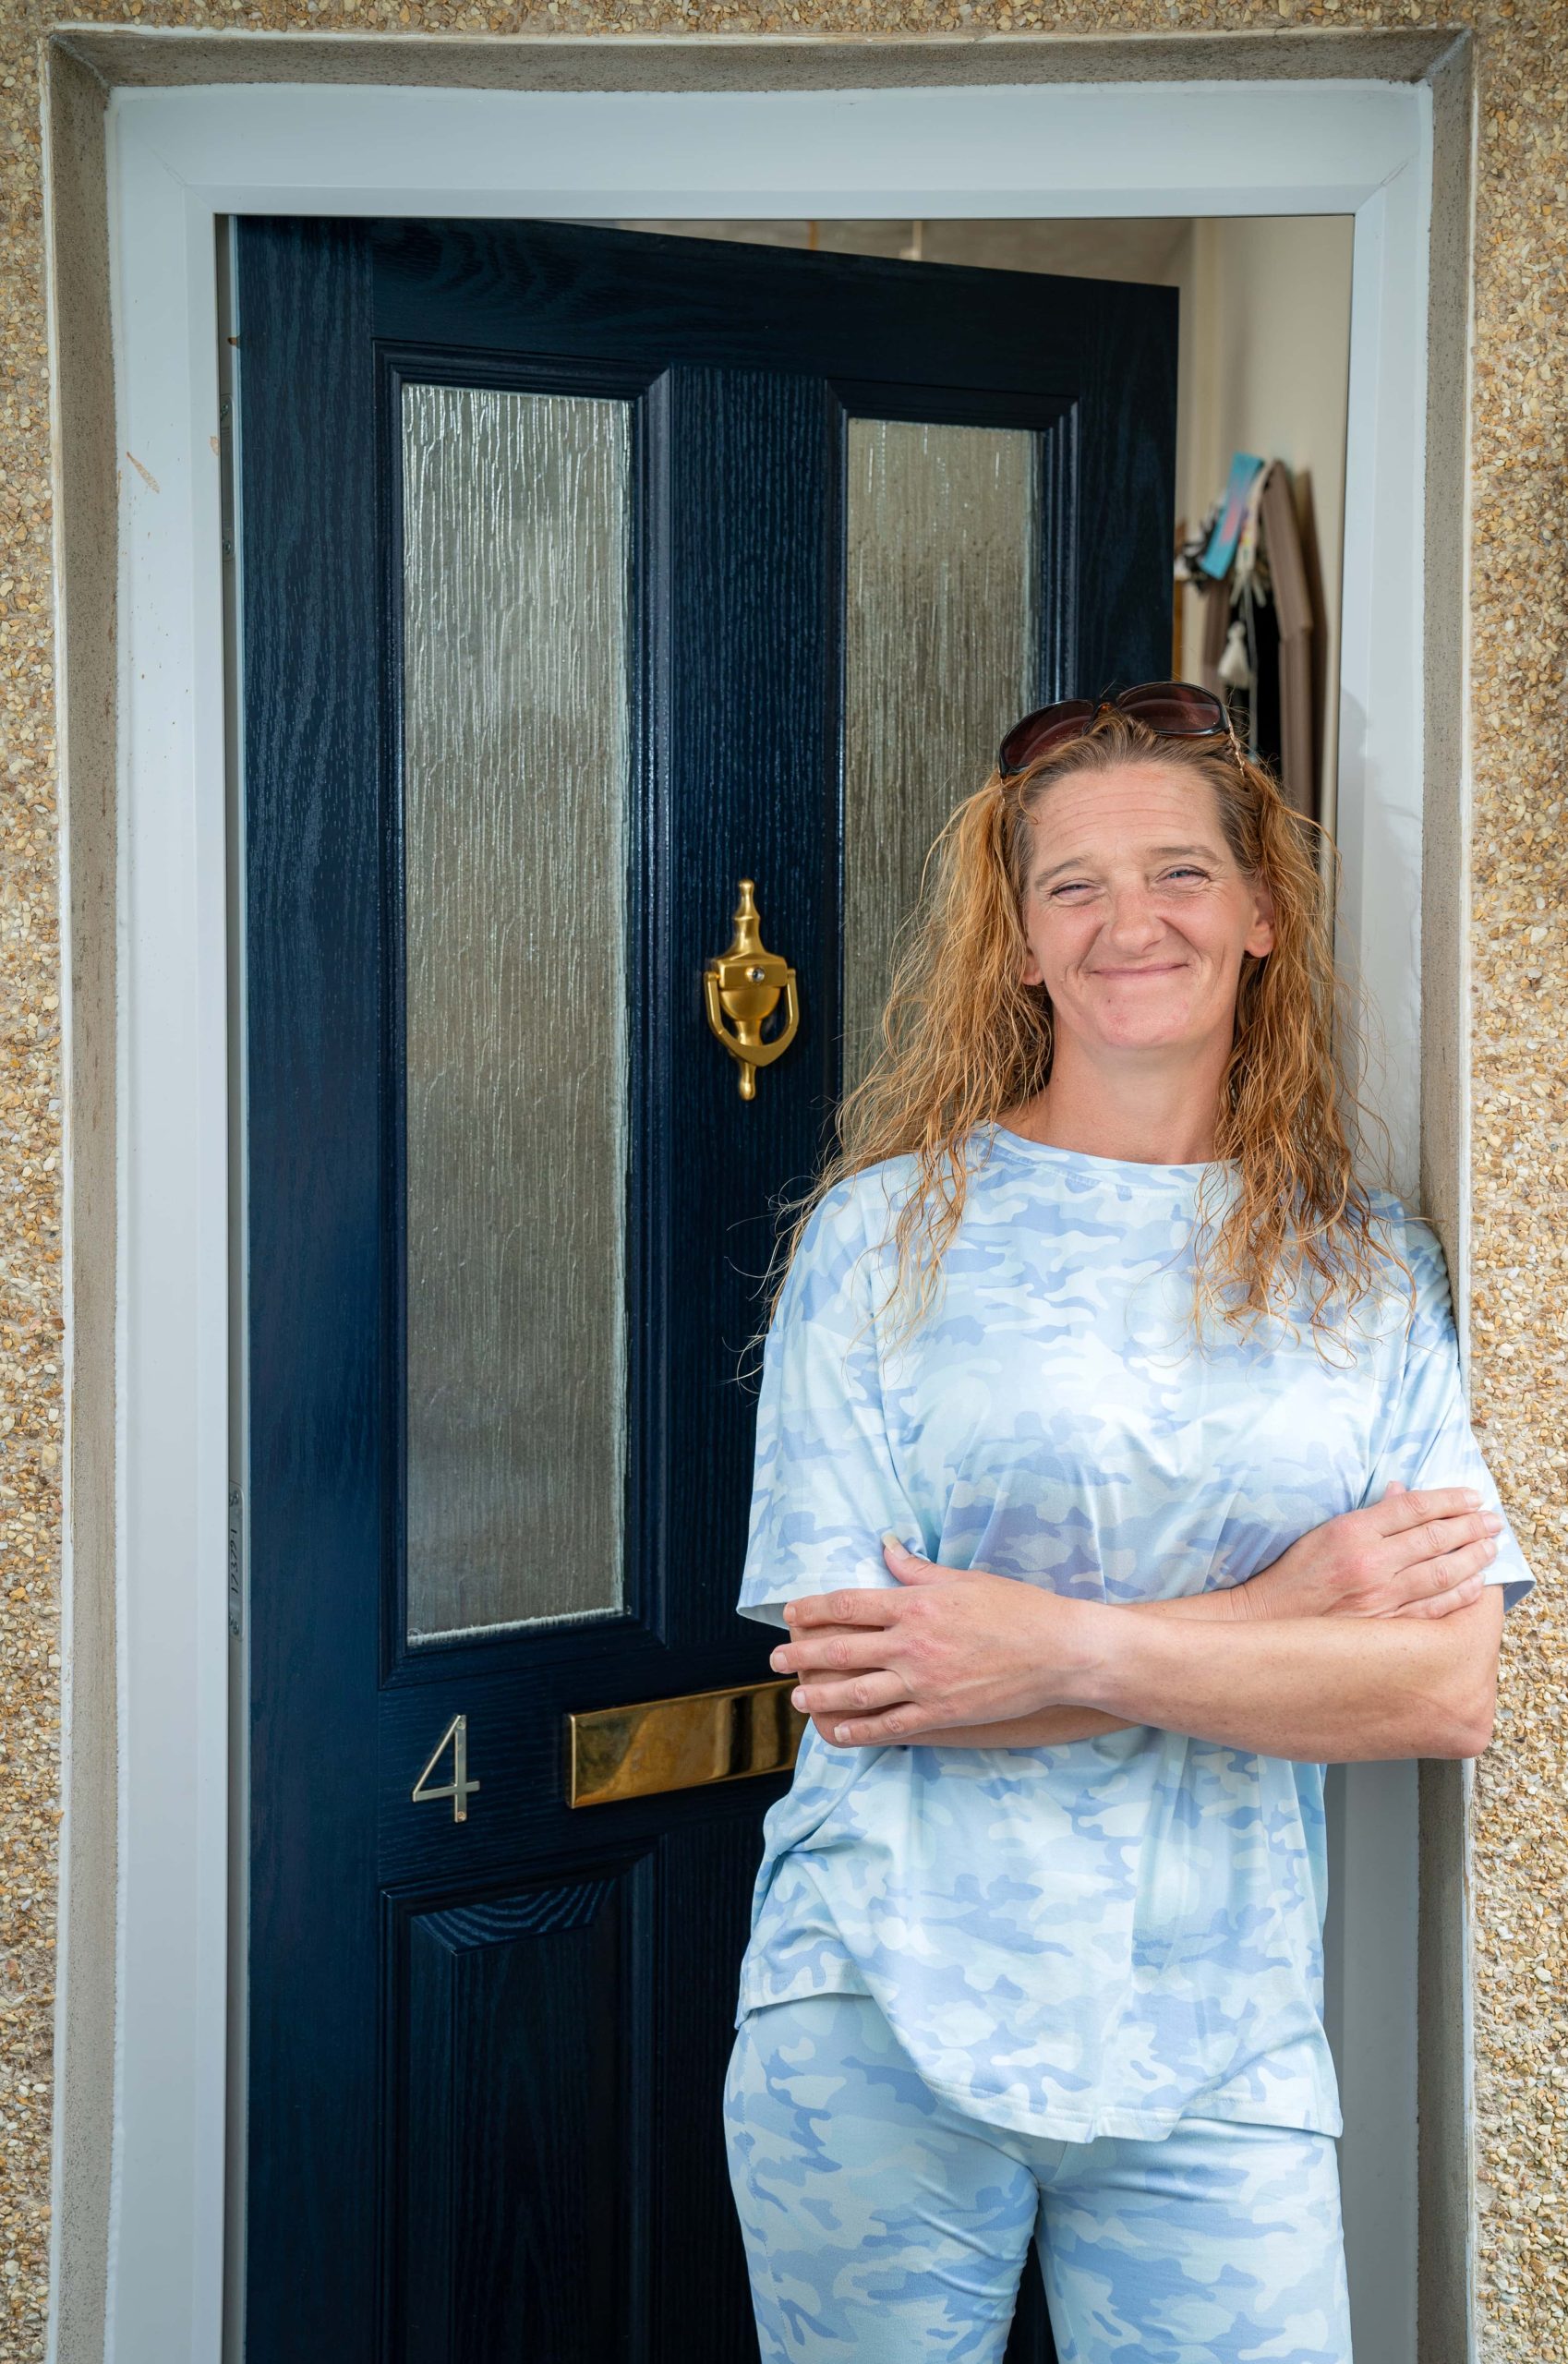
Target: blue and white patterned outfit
[
  {"x": 882, "y": 2226},
  {"x": 1102, "y": 1938}
]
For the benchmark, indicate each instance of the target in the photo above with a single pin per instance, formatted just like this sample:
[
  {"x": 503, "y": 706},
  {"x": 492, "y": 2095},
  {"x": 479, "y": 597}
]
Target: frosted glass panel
[
  {"x": 515, "y": 751},
  {"x": 941, "y": 635}
]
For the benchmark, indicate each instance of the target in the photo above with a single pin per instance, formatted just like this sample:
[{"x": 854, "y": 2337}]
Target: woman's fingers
[
  {"x": 1442, "y": 1604},
  {"x": 876, "y": 1605},
  {"x": 831, "y": 1651},
  {"x": 898, "y": 1723},
  {"x": 1434, "y": 1541},
  {"x": 1406, "y": 1507},
  {"x": 850, "y": 1695},
  {"x": 830, "y": 1726},
  {"x": 1430, "y": 1579}
]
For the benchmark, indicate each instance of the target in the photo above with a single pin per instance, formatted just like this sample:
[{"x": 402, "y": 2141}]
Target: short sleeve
[
  {"x": 1426, "y": 1438},
  {"x": 826, "y": 1490}
]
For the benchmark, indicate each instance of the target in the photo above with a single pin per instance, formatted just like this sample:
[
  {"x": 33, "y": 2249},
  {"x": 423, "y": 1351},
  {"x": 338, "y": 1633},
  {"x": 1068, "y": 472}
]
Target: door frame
[{"x": 726, "y": 127}]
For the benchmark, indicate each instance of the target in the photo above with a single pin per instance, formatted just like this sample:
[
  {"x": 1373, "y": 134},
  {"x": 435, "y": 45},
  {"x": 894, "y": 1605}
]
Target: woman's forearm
[
  {"x": 1053, "y": 1727},
  {"x": 1316, "y": 1689},
  {"x": 1373, "y": 1636},
  {"x": 1319, "y": 1690}
]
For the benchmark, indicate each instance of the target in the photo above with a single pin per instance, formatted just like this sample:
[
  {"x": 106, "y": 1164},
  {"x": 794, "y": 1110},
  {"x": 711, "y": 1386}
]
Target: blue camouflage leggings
[{"x": 883, "y": 2226}]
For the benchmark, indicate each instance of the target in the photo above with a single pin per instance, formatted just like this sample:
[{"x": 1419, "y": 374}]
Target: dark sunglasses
[{"x": 1174, "y": 709}]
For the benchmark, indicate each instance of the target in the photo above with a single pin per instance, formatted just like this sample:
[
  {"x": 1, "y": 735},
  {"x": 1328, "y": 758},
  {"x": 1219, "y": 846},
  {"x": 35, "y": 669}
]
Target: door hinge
[{"x": 237, "y": 1556}]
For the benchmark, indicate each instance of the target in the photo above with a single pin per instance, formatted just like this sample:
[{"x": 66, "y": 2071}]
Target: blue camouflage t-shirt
[{"x": 1101, "y": 1936}]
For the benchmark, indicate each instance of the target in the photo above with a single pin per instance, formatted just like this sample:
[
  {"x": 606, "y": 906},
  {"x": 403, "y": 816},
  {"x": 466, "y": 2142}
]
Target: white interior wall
[{"x": 1266, "y": 368}]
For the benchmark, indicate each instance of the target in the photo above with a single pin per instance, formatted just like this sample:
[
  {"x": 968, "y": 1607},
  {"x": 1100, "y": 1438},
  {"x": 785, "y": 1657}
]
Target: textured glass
[
  {"x": 941, "y": 635},
  {"x": 515, "y": 751}
]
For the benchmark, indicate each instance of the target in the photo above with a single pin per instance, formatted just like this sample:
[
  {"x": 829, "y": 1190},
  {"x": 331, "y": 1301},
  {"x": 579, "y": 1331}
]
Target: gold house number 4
[{"x": 460, "y": 1789}]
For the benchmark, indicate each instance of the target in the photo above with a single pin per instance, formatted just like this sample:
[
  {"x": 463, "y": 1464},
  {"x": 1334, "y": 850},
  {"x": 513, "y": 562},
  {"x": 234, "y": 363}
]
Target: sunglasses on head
[{"x": 1173, "y": 710}]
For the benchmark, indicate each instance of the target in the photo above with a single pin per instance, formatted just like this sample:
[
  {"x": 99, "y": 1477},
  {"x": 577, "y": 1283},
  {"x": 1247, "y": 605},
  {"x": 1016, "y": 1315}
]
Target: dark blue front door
[{"x": 582, "y": 574}]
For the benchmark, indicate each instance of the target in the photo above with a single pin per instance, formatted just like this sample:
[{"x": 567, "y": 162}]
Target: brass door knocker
[{"x": 744, "y": 985}]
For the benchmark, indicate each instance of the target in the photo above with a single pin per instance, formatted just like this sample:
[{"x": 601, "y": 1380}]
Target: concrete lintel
[{"x": 126, "y": 57}]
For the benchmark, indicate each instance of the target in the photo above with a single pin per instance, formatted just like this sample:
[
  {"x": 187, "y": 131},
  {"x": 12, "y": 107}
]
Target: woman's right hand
[{"x": 1410, "y": 1555}]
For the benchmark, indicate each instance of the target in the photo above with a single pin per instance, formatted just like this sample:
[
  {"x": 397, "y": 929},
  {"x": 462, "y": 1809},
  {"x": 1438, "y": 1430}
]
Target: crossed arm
[{"x": 1373, "y": 1636}]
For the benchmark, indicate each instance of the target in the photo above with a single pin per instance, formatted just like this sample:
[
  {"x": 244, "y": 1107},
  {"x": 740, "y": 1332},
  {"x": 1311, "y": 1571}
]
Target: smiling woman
[{"x": 1101, "y": 1396}]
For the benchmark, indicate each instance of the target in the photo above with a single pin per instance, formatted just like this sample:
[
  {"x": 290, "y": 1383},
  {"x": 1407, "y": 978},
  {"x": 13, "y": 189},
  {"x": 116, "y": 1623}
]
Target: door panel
[
  {"x": 516, "y": 532},
  {"x": 583, "y": 576},
  {"x": 518, "y": 2172},
  {"x": 941, "y": 600}
]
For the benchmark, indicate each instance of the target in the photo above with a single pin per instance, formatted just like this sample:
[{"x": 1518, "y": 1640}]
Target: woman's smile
[{"x": 1146, "y": 969}]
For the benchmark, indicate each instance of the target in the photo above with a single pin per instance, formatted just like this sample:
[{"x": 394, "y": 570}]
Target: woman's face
[{"x": 1137, "y": 913}]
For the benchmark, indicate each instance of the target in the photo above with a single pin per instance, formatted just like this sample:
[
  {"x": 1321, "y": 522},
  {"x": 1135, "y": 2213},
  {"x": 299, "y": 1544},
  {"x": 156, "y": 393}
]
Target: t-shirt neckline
[{"x": 1119, "y": 1173}]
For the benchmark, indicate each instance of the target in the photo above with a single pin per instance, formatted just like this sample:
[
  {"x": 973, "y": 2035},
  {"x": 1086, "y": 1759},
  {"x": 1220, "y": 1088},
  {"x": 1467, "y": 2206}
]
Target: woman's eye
[
  {"x": 1185, "y": 876},
  {"x": 1071, "y": 886}
]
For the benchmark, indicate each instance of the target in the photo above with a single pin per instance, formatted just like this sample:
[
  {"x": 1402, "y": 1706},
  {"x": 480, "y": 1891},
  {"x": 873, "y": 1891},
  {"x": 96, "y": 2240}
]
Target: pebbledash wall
[{"x": 1519, "y": 1205}]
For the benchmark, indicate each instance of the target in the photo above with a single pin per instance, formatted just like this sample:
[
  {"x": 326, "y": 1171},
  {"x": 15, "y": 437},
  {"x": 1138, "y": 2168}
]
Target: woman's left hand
[{"x": 951, "y": 1646}]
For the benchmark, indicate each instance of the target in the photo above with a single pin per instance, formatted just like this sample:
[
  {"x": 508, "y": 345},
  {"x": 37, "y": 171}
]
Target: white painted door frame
[{"x": 179, "y": 159}]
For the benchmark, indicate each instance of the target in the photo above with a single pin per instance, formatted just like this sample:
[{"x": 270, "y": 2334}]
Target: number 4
[{"x": 460, "y": 1789}]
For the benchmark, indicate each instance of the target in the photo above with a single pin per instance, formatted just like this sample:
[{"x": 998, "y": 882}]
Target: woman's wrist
[{"x": 1086, "y": 1639}]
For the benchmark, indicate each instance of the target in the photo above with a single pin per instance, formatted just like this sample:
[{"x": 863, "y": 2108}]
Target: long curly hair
[{"x": 966, "y": 1043}]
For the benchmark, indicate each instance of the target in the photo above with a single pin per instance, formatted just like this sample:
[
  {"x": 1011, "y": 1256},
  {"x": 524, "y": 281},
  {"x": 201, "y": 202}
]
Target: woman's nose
[{"x": 1132, "y": 920}]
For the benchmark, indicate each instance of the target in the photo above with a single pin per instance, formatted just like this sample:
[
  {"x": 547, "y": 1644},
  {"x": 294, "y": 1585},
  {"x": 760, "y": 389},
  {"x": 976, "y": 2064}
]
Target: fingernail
[
  {"x": 1472, "y": 1497},
  {"x": 889, "y": 1537},
  {"x": 840, "y": 1732},
  {"x": 797, "y": 1698},
  {"x": 1491, "y": 1550},
  {"x": 776, "y": 1659},
  {"x": 1492, "y": 1523}
]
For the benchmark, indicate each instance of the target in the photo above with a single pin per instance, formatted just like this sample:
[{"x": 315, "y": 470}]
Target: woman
[{"x": 1110, "y": 1451}]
